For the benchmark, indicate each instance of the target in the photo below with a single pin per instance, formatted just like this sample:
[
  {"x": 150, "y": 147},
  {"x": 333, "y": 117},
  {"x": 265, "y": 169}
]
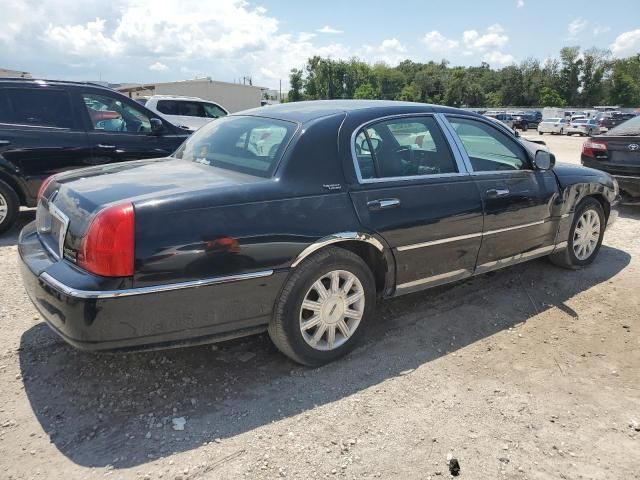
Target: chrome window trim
[
  {"x": 128, "y": 292},
  {"x": 461, "y": 166},
  {"x": 336, "y": 238},
  {"x": 470, "y": 235}
]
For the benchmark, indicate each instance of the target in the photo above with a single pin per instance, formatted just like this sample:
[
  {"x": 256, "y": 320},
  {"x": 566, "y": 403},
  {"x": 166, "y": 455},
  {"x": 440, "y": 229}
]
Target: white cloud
[
  {"x": 158, "y": 67},
  {"x": 328, "y": 29},
  {"x": 577, "y": 26},
  {"x": 390, "y": 51},
  {"x": 626, "y": 44},
  {"x": 498, "y": 58},
  {"x": 438, "y": 43},
  {"x": 494, "y": 38},
  {"x": 600, "y": 29},
  {"x": 520, "y": 3}
]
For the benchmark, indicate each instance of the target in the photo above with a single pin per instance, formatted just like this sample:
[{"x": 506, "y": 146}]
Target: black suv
[{"x": 47, "y": 127}]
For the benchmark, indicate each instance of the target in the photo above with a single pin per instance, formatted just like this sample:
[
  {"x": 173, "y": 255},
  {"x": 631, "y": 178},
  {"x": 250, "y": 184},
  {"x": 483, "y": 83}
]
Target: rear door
[
  {"x": 40, "y": 134},
  {"x": 518, "y": 200},
  {"x": 120, "y": 129},
  {"x": 414, "y": 191}
]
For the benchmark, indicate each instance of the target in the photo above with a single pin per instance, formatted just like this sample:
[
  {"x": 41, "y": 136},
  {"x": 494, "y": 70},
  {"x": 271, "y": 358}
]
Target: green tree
[
  {"x": 296, "y": 85},
  {"x": 408, "y": 94},
  {"x": 570, "y": 74},
  {"x": 551, "y": 98},
  {"x": 365, "y": 91},
  {"x": 625, "y": 82}
]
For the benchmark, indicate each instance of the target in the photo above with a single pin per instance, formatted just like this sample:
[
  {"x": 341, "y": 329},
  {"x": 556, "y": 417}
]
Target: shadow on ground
[
  {"x": 98, "y": 409},
  {"x": 11, "y": 237}
]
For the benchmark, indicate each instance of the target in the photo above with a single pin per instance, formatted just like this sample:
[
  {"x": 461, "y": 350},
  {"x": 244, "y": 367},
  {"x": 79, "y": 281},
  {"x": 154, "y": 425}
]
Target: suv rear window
[
  {"x": 39, "y": 107},
  {"x": 190, "y": 108},
  {"x": 251, "y": 145}
]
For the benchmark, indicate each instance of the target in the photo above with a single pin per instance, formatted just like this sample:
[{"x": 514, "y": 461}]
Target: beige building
[
  {"x": 5, "y": 72},
  {"x": 232, "y": 96}
]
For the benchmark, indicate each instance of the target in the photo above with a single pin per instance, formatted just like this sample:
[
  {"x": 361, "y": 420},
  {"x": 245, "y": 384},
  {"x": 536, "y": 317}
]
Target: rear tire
[
  {"x": 9, "y": 206},
  {"x": 316, "y": 319},
  {"x": 585, "y": 236}
]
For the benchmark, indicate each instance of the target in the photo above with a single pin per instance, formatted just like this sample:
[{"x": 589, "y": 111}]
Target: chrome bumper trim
[{"x": 100, "y": 294}]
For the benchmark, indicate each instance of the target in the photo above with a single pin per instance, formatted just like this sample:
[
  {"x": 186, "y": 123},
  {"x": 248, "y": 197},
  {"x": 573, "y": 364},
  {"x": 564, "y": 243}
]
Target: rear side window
[
  {"x": 5, "y": 113},
  {"x": 403, "y": 147},
  {"x": 168, "y": 107},
  {"x": 190, "y": 109},
  {"x": 251, "y": 145},
  {"x": 42, "y": 107},
  {"x": 488, "y": 148}
]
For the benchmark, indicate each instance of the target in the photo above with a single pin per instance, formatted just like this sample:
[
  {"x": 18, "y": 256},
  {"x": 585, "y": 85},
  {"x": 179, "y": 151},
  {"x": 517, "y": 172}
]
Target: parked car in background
[
  {"x": 189, "y": 113},
  {"x": 617, "y": 152},
  {"x": 583, "y": 126},
  {"x": 524, "y": 122},
  {"x": 614, "y": 119},
  {"x": 48, "y": 127},
  {"x": 353, "y": 201},
  {"x": 505, "y": 118},
  {"x": 553, "y": 126}
]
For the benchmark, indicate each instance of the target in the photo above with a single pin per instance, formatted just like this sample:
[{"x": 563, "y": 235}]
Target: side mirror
[
  {"x": 544, "y": 160},
  {"x": 516, "y": 132},
  {"x": 156, "y": 126}
]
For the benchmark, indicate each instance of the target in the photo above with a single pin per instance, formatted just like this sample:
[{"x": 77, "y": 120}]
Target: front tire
[
  {"x": 324, "y": 307},
  {"x": 585, "y": 236},
  {"x": 9, "y": 206}
]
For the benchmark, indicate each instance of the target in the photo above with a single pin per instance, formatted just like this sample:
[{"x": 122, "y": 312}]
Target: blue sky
[{"x": 159, "y": 40}]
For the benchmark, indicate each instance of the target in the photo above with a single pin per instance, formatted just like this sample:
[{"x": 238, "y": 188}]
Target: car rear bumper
[
  {"x": 186, "y": 313},
  {"x": 628, "y": 176}
]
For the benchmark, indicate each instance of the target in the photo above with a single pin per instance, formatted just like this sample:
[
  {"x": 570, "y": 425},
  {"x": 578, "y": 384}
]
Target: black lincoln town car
[{"x": 296, "y": 219}]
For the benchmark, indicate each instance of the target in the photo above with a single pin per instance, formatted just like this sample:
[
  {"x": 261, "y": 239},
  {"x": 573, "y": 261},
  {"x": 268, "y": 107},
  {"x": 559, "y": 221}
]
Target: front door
[
  {"x": 518, "y": 200},
  {"x": 413, "y": 190},
  {"x": 120, "y": 130}
]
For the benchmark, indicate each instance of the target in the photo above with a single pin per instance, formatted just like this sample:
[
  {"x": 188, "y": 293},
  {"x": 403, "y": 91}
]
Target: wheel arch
[{"x": 372, "y": 251}]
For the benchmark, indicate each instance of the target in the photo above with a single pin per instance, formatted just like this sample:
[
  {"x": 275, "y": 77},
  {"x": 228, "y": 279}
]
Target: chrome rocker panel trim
[
  {"x": 337, "y": 238},
  {"x": 456, "y": 275},
  {"x": 101, "y": 294}
]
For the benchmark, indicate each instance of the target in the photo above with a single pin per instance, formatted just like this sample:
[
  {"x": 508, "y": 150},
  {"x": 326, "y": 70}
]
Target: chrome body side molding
[
  {"x": 102, "y": 294},
  {"x": 337, "y": 238},
  {"x": 433, "y": 281}
]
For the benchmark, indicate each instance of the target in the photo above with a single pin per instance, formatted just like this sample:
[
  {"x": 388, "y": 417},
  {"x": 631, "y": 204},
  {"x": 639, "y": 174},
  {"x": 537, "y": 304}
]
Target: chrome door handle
[
  {"x": 106, "y": 147},
  {"x": 4, "y": 143},
  {"x": 383, "y": 203},
  {"x": 497, "y": 192}
]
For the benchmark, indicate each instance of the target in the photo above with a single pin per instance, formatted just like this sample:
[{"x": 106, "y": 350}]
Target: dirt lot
[{"x": 527, "y": 373}]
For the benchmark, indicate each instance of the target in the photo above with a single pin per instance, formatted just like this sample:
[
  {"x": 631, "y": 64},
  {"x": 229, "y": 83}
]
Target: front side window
[
  {"x": 251, "y": 145},
  {"x": 110, "y": 114},
  {"x": 40, "y": 107},
  {"x": 403, "y": 147},
  {"x": 212, "y": 110},
  {"x": 488, "y": 148}
]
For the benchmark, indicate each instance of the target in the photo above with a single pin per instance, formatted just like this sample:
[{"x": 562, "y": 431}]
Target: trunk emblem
[{"x": 633, "y": 147}]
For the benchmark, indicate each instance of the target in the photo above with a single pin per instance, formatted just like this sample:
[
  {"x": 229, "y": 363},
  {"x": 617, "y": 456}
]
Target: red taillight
[
  {"x": 590, "y": 148},
  {"x": 43, "y": 187},
  {"x": 107, "y": 249}
]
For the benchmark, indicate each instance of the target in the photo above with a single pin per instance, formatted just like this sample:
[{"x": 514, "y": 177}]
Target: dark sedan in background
[
  {"x": 296, "y": 218},
  {"x": 617, "y": 152},
  {"x": 50, "y": 126}
]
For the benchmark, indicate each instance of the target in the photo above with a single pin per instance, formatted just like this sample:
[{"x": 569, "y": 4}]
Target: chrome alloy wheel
[
  {"x": 332, "y": 310},
  {"x": 586, "y": 234},
  {"x": 4, "y": 208}
]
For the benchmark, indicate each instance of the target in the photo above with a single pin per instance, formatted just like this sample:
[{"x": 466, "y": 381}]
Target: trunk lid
[{"x": 71, "y": 201}]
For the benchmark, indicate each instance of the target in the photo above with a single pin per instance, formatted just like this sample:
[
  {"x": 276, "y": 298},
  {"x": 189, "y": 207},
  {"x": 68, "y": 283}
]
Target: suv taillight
[
  {"x": 590, "y": 148},
  {"x": 43, "y": 187},
  {"x": 107, "y": 249}
]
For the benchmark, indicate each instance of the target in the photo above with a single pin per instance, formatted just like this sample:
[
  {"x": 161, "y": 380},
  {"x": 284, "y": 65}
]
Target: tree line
[{"x": 588, "y": 78}]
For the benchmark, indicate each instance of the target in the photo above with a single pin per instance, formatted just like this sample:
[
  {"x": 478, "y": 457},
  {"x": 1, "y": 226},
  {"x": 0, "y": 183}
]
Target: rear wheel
[
  {"x": 585, "y": 236},
  {"x": 9, "y": 207},
  {"x": 324, "y": 307}
]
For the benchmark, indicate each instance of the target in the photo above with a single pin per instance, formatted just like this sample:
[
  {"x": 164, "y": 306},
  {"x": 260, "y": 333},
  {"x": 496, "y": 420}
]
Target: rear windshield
[
  {"x": 628, "y": 128},
  {"x": 580, "y": 121},
  {"x": 252, "y": 145}
]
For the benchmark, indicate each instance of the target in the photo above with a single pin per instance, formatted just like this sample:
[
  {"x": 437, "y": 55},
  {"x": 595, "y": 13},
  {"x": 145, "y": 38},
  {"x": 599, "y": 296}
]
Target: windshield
[
  {"x": 251, "y": 145},
  {"x": 580, "y": 121},
  {"x": 628, "y": 128}
]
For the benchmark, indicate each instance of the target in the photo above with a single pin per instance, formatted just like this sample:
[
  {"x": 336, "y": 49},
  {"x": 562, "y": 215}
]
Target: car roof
[
  {"x": 302, "y": 112},
  {"x": 44, "y": 82},
  {"x": 178, "y": 97}
]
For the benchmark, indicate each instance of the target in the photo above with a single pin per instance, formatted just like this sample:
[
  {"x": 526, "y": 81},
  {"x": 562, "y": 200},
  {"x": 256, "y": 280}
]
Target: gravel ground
[{"x": 526, "y": 373}]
